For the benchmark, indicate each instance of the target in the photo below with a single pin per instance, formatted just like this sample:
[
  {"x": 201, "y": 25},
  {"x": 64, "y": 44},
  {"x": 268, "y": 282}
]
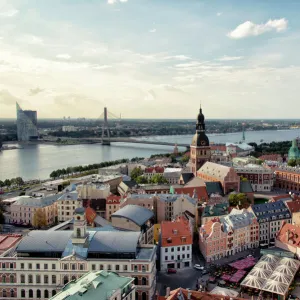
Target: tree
[
  {"x": 7, "y": 182},
  {"x": 141, "y": 179},
  {"x": 292, "y": 163},
  {"x": 136, "y": 172},
  {"x": 53, "y": 174},
  {"x": 185, "y": 159},
  {"x": 244, "y": 178},
  {"x": 39, "y": 218},
  {"x": 19, "y": 181},
  {"x": 238, "y": 199},
  {"x": 158, "y": 179},
  {"x": 1, "y": 183}
]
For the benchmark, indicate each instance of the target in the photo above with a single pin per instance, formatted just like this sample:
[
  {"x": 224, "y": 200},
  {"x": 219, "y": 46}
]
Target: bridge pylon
[{"x": 105, "y": 128}]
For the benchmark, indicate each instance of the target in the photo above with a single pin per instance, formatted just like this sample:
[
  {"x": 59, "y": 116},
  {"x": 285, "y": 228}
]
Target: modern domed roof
[{"x": 200, "y": 139}]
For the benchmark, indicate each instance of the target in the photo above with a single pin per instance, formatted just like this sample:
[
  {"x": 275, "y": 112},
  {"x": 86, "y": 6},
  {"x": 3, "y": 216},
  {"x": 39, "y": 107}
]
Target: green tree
[
  {"x": 7, "y": 182},
  {"x": 233, "y": 199},
  {"x": 158, "y": 179},
  {"x": 19, "y": 181},
  {"x": 244, "y": 178},
  {"x": 1, "y": 183},
  {"x": 185, "y": 159},
  {"x": 292, "y": 162},
  {"x": 53, "y": 174},
  {"x": 136, "y": 172},
  {"x": 39, "y": 218},
  {"x": 238, "y": 199},
  {"x": 141, "y": 179}
]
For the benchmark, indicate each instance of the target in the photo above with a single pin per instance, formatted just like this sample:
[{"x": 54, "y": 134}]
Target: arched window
[
  {"x": 53, "y": 293},
  {"x": 30, "y": 279},
  {"x": 46, "y": 279},
  {"x": 144, "y": 296},
  {"x": 3, "y": 278},
  {"x": 38, "y": 293},
  {"x": 22, "y": 293},
  {"x": 144, "y": 281},
  {"x": 46, "y": 294},
  {"x": 11, "y": 278},
  {"x": 66, "y": 279},
  {"x": 78, "y": 232},
  {"x": 22, "y": 278},
  {"x": 30, "y": 293},
  {"x": 136, "y": 281},
  {"x": 12, "y": 293},
  {"x": 4, "y": 295},
  {"x": 73, "y": 277}
]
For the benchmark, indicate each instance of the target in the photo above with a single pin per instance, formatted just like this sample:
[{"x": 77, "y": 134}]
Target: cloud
[
  {"x": 63, "y": 56},
  {"x": 151, "y": 95},
  {"x": 171, "y": 88},
  {"x": 31, "y": 39},
  {"x": 177, "y": 57},
  {"x": 7, "y": 98},
  {"x": 9, "y": 13},
  {"x": 230, "y": 58},
  {"x": 152, "y": 30},
  {"x": 251, "y": 29},
  {"x": 115, "y": 1},
  {"x": 33, "y": 92},
  {"x": 102, "y": 67},
  {"x": 219, "y": 14}
]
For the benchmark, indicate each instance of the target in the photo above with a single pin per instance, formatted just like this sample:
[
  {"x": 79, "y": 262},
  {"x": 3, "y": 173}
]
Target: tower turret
[{"x": 80, "y": 234}]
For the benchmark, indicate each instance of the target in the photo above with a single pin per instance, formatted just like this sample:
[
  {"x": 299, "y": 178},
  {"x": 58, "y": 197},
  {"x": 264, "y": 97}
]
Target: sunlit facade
[{"x": 26, "y": 124}]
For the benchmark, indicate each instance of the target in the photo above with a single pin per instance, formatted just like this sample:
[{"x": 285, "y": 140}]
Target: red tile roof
[
  {"x": 113, "y": 199},
  {"x": 289, "y": 234},
  {"x": 294, "y": 206},
  {"x": 270, "y": 157},
  {"x": 200, "y": 190},
  {"x": 172, "y": 233},
  {"x": 8, "y": 240},
  {"x": 156, "y": 169}
]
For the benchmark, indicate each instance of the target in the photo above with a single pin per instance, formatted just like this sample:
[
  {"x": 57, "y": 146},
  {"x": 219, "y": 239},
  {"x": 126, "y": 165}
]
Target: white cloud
[
  {"x": 152, "y": 30},
  {"x": 230, "y": 58},
  {"x": 249, "y": 28},
  {"x": 177, "y": 57},
  {"x": 219, "y": 14},
  {"x": 9, "y": 13},
  {"x": 63, "y": 56},
  {"x": 115, "y": 1},
  {"x": 103, "y": 67},
  {"x": 123, "y": 1},
  {"x": 31, "y": 39}
]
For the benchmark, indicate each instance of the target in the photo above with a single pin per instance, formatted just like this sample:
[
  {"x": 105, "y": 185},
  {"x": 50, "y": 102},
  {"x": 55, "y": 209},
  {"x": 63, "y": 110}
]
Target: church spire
[{"x": 200, "y": 126}]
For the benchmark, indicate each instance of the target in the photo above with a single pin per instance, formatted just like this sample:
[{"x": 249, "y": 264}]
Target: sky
[{"x": 150, "y": 58}]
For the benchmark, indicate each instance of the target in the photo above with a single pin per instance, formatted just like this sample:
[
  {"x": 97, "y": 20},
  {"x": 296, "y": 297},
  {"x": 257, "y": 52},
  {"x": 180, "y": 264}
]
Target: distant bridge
[{"x": 108, "y": 140}]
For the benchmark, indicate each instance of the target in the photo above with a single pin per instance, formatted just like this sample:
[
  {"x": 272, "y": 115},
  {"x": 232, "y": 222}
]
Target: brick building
[{"x": 288, "y": 178}]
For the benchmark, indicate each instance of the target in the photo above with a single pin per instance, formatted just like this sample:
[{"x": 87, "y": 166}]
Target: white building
[
  {"x": 176, "y": 244},
  {"x": 93, "y": 191},
  {"x": 172, "y": 175},
  {"x": 69, "y": 128},
  {"x": 66, "y": 205},
  {"x": 45, "y": 260}
]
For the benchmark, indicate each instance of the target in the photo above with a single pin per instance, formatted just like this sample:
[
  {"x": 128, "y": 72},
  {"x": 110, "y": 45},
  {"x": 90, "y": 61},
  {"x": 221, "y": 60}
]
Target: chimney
[{"x": 168, "y": 291}]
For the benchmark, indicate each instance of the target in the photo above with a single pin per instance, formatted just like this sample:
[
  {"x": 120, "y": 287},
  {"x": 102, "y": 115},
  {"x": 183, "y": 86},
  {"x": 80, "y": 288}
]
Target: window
[
  {"x": 81, "y": 267},
  {"x": 53, "y": 267},
  {"x": 53, "y": 279},
  {"x": 22, "y": 293},
  {"x": 73, "y": 278},
  {"x": 22, "y": 278},
  {"x": 178, "y": 248},
  {"x": 73, "y": 267},
  {"x": 30, "y": 279},
  {"x": 38, "y": 294},
  {"x": 30, "y": 293},
  {"x": 37, "y": 266},
  {"x": 11, "y": 265},
  {"x": 65, "y": 267},
  {"x": 109, "y": 267},
  {"x": 172, "y": 257},
  {"x": 38, "y": 279},
  {"x": 166, "y": 257},
  {"x": 66, "y": 280},
  {"x": 22, "y": 266},
  {"x": 4, "y": 294},
  {"x": 117, "y": 267},
  {"x": 46, "y": 266},
  {"x": 53, "y": 293},
  {"x": 125, "y": 268},
  {"x": 93, "y": 267},
  {"x": 172, "y": 249},
  {"x": 183, "y": 248},
  {"x": 188, "y": 256},
  {"x": 12, "y": 293},
  {"x": 166, "y": 250},
  {"x": 3, "y": 279},
  {"x": 143, "y": 268},
  {"x": 78, "y": 232},
  {"x": 3, "y": 266},
  {"x": 135, "y": 268},
  {"x": 46, "y": 279},
  {"x": 144, "y": 281},
  {"x": 46, "y": 294},
  {"x": 11, "y": 279}
]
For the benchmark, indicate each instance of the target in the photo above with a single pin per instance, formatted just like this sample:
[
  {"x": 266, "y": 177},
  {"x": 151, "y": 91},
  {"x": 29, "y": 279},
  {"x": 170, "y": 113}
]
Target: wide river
[{"x": 38, "y": 161}]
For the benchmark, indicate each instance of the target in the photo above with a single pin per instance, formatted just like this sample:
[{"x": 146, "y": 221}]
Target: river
[{"x": 38, "y": 161}]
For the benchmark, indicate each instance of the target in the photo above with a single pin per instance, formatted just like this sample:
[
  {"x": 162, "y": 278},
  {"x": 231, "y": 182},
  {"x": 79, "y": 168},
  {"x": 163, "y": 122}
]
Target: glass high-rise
[{"x": 26, "y": 124}]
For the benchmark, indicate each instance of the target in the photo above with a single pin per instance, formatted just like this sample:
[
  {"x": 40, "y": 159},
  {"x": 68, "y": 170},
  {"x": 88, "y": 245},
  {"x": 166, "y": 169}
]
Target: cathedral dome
[{"x": 200, "y": 139}]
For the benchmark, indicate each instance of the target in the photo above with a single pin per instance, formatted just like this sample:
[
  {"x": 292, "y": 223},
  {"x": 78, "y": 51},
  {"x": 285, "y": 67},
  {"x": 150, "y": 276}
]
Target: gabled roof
[
  {"x": 293, "y": 206},
  {"x": 214, "y": 188},
  {"x": 135, "y": 213},
  {"x": 186, "y": 177},
  {"x": 214, "y": 170},
  {"x": 37, "y": 202},
  {"x": 289, "y": 234},
  {"x": 196, "y": 181},
  {"x": 199, "y": 192},
  {"x": 238, "y": 219},
  {"x": 69, "y": 196}
]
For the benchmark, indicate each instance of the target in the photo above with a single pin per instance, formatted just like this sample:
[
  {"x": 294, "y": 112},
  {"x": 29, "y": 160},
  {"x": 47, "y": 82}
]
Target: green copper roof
[
  {"x": 98, "y": 285},
  {"x": 294, "y": 152},
  {"x": 216, "y": 210}
]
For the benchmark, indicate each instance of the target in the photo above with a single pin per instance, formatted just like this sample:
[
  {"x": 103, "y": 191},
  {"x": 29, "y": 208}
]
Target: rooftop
[
  {"x": 238, "y": 219},
  {"x": 36, "y": 202},
  {"x": 8, "y": 240},
  {"x": 175, "y": 233},
  {"x": 214, "y": 188},
  {"x": 214, "y": 170},
  {"x": 135, "y": 213},
  {"x": 100, "y": 285},
  {"x": 69, "y": 196},
  {"x": 293, "y": 206},
  {"x": 246, "y": 187},
  {"x": 219, "y": 209},
  {"x": 289, "y": 234}
]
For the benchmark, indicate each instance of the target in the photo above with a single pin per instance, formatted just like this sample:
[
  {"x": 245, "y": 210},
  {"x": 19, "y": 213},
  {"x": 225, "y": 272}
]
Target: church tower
[
  {"x": 79, "y": 230},
  {"x": 200, "y": 149}
]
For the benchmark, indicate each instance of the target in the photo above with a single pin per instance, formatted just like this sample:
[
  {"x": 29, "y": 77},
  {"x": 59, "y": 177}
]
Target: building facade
[
  {"x": 172, "y": 175},
  {"x": 261, "y": 178},
  {"x": 66, "y": 205},
  {"x": 294, "y": 208},
  {"x": 93, "y": 191},
  {"x": 270, "y": 216},
  {"x": 227, "y": 176},
  {"x": 26, "y": 124},
  {"x": 112, "y": 205},
  {"x": 44, "y": 261},
  {"x": 151, "y": 171},
  {"x": 288, "y": 178},
  {"x": 176, "y": 244},
  {"x": 200, "y": 150}
]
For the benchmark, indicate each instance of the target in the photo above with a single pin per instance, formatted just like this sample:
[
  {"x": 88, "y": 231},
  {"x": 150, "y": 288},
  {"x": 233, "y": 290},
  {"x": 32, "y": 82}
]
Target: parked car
[
  {"x": 198, "y": 267},
  {"x": 170, "y": 271}
]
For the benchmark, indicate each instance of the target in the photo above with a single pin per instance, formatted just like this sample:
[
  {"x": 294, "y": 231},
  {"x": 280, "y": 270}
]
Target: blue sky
[{"x": 150, "y": 58}]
